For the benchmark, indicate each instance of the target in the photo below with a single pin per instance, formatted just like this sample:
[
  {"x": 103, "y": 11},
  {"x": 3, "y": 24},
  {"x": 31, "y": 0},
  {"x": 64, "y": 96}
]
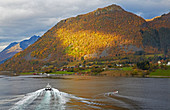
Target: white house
[{"x": 159, "y": 62}]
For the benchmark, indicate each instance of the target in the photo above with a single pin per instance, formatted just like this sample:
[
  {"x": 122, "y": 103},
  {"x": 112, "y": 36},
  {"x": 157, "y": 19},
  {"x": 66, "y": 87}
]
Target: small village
[{"x": 109, "y": 68}]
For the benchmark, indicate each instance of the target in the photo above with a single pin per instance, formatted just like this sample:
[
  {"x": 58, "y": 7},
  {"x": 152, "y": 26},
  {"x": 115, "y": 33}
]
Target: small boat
[
  {"x": 115, "y": 92},
  {"x": 48, "y": 87}
]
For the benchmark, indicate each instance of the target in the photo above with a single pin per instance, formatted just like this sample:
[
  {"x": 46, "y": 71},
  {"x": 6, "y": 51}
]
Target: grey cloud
[{"x": 148, "y": 8}]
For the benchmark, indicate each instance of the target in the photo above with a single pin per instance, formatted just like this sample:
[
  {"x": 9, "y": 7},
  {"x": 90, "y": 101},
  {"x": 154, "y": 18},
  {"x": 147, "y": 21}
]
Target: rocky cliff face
[{"x": 156, "y": 34}]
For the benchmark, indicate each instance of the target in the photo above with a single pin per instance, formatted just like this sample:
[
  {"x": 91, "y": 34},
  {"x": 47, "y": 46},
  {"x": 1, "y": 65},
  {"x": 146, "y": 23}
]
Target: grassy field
[
  {"x": 160, "y": 72},
  {"x": 72, "y": 64},
  {"x": 147, "y": 56},
  {"x": 29, "y": 73},
  {"x": 88, "y": 70},
  {"x": 127, "y": 69},
  {"x": 62, "y": 72}
]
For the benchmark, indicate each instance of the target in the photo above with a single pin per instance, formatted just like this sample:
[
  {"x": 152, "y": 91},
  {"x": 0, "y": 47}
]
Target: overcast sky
[{"x": 21, "y": 19}]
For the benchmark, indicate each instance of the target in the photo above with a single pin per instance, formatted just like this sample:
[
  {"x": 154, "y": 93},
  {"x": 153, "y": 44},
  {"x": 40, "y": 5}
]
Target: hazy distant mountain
[
  {"x": 105, "y": 32},
  {"x": 16, "y": 47},
  {"x": 9, "y": 46}
]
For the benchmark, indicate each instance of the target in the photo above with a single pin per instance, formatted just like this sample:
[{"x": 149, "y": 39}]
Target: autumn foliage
[{"x": 110, "y": 29}]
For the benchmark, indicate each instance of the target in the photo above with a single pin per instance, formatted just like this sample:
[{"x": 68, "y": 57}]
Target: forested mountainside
[
  {"x": 105, "y": 32},
  {"x": 156, "y": 33}
]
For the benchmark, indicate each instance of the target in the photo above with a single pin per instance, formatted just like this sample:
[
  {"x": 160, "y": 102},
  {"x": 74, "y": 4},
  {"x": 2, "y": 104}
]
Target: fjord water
[{"x": 84, "y": 93}]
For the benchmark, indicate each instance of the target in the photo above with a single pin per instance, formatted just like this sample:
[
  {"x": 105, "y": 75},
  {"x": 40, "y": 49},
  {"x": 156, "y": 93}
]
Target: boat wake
[
  {"x": 54, "y": 99},
  {"x": 125, "y": 102}
]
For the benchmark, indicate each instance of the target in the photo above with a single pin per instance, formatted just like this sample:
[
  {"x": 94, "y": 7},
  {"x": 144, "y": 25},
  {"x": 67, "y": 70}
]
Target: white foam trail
[
  {"x": 10, "y": 99},
  {"x": 59, "y": 99},
  {"x": 121, "y": 103},
  {"x": 50, "y": 100},
  {"x": 45, "y": 103},
  {"x": 111, "y": 93},
  {"x": 63, "y": 98},
  {"x": 28, "y": 99},
  {"x": 91, "y": 103}
]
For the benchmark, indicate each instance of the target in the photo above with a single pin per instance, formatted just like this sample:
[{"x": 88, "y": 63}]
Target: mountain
[
  {"x": 10, "y": 45},
  {"x": 106, "y": 32},
  {"x": 16, "y": 47},
  {"x": 25, "y": 43},
  {"x": 156, "y": 34}
]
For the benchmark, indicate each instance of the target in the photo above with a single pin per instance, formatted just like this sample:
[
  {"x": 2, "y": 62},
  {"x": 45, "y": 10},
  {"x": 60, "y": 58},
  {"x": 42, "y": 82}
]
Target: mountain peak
[
  {"x": 16, "y": 47},
  {"x": 9, "y": 46},
  {"x": 25, "y": 43},
  {"x": 111, "y": 8}
]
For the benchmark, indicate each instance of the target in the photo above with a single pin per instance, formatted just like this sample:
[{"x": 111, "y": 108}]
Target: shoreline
[
  {"x": 115, "y": 73},
  {"x": 87, "y": 77},
  {"x": 74, "y": 76}
]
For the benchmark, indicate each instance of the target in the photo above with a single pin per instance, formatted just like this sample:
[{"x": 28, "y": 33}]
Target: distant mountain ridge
[
  {"x": 25, "y": 43},
  {"x": 106, "y": 32},
  {"x": 9, "y": 46},
  {"x": 16, "y": 47}
]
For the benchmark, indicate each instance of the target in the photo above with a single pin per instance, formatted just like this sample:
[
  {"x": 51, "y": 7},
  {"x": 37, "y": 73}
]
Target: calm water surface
[{"x": 84, "y": 93}]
